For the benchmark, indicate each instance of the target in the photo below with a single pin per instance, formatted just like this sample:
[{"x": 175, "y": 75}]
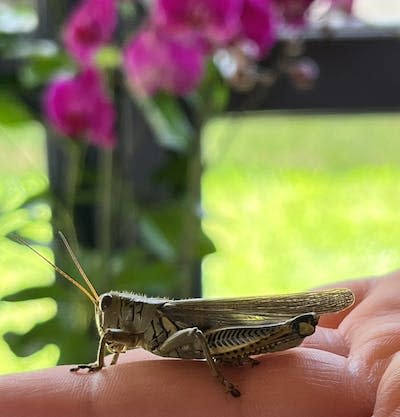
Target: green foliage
[
  {"x": 213, "y": 94},
  {"x": 151, "y": 265},
  {"x": 108, "y": 57},
  {"x": 169, "y": 121},
  {"x": 12, "y": 112},
  {"x": 23, "y": 210},
  {"x": 44, "y": 61}
]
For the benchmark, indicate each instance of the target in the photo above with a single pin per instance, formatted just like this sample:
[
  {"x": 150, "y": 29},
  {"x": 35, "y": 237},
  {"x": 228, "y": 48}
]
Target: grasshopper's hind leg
[
  {"x": 190, "y": 336},
  {"x": 114, "y": 359}
]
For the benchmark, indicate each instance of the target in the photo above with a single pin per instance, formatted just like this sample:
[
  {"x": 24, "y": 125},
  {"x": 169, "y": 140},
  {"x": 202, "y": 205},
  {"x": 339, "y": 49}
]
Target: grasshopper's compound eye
[{"x": 106, "y": 301}]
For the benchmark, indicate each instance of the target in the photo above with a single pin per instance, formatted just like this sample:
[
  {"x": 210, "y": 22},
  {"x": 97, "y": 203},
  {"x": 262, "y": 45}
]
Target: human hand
[{"x": 350, "y": 367}]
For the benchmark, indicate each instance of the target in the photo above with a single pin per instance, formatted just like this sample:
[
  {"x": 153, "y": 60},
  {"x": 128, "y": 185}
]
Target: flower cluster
[
  {"x": 89, "y": 27},
  {"x": 79, "y": 108},
  {"x": 167, "y": 53},
  {"x": 170, "y": 50}
]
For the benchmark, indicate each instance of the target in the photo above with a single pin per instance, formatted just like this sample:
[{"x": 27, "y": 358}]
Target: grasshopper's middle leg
[{"x": 188, "y": 337}]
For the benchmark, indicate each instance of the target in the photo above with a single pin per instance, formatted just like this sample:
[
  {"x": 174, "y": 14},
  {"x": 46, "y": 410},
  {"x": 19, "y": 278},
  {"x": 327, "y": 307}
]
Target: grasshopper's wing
[{"x": 247, "y": 311}]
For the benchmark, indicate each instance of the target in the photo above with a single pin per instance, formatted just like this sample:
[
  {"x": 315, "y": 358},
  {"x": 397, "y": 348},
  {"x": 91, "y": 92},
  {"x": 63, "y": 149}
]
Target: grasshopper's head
[
  {"x": 108, "y": 310},
  {"x": 123, "y": 311},
  {"x": 114, "y": 311}
]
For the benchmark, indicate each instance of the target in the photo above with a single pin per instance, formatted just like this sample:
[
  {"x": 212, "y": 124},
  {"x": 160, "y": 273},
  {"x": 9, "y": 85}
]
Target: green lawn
[
  {"x": 293, "y": 202},
  {"x": 290, "y": 202}
]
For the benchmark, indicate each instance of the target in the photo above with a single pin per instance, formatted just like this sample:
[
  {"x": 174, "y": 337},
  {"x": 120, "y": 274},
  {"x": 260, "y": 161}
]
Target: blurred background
[{"x": 293, "y": 183}]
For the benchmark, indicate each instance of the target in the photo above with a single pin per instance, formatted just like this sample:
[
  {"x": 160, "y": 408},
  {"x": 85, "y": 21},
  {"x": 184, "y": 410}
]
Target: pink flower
[
  {"x": 218, "y": 21},
  {"x": 345, "y": 5},
  {"x": 258, "y": 26},
  {"x": 293, "y": 11},
  {"x": 90, "y": 26},
  {"x": 78, "y": 107},
  {"x": 154, "y": 61}
]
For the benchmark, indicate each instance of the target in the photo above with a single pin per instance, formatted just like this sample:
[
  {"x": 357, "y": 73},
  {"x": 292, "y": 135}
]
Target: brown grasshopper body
[
  {"x": 221, "y": 330},
  {"x": 226, "y": 330}
]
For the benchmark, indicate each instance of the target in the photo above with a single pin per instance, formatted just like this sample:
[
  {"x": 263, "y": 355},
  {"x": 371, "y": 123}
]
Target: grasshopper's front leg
[
  {"x": 95, "y": 366},
  {"x": 110, "y": 335},
  {"x": 190, "y": 336}
]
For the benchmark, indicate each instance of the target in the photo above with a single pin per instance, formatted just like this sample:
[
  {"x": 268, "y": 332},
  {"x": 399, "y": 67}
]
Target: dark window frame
[{"x": 357, "y": 73}]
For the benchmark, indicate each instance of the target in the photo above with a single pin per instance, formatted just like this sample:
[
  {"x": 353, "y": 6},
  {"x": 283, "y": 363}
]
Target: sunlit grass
[{"x": 293, "y": 202}]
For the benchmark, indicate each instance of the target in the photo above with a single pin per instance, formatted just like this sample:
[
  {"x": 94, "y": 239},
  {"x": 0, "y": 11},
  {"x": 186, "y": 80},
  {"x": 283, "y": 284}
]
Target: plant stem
[
  {"x": 104, "y": 201},
  {"x": 191, "y": 225},
  {"x": 76, "y": 155}
]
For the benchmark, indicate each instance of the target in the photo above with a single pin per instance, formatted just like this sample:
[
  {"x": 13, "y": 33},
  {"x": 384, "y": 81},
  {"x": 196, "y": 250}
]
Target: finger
[
  {"x": 379, "y": 306},
  {"x": 360, "y": 289},
  {"x": 302, "y": 382},
  {"x": 373, "y": 330},
  {"x": 387, "y": 399},
  {"x": 329, "y": 340}
]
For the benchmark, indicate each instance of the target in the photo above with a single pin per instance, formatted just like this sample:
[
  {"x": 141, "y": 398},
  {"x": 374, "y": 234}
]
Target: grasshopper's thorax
[
  {"x": 138, "y": 317},
  {"x": 129, "y": 313}
]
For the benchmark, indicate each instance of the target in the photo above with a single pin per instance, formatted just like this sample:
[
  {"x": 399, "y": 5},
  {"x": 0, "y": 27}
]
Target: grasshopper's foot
[
  {"x": 229, "y": 387},
  {"x": 232, "y": 389},
  {"x": 253, "y": 362},
  {"x": 91, "y": 367}
]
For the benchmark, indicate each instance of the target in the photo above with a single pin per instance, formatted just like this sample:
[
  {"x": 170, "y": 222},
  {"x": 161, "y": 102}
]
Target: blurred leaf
[
  {"x": 40, "y": 231},
  {"x": 138, "y": 272},
  {"x": 156, "y": 240},
  {"x": 29, "y": 294},
  {"x": 168, "y": 220},
  {"x": 108, "y": 57},
  {"x": 12, "y": 110},
  {"x": 211, "y": 98},
  {"x": 13, "y": 220},
  {"x": 41, "y": 68},
  {"x": 28, "y": 343},
  {"x": 77, "y": 345},
  {"x": 128, "y": 9},
  {"x": 206, "y": 246},
  {"x": 72, "y": 326},
  {"x": 169, "y": 122}
]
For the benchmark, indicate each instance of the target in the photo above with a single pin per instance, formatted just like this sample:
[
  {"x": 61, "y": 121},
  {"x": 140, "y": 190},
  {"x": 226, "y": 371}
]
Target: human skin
[{"x": 350, "y": 367}]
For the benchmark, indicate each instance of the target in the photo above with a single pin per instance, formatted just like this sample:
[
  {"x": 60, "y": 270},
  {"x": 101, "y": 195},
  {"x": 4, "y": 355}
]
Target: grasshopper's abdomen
[{"x": 240, "y": 342}]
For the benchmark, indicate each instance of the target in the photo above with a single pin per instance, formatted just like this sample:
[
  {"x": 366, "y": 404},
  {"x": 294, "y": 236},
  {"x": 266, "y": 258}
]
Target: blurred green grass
[
  {"x": 291, "y": 202},
  {"x": 296, "y": 201}
]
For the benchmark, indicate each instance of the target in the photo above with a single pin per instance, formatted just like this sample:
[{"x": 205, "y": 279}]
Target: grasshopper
[{"x": 221, "y": 331}]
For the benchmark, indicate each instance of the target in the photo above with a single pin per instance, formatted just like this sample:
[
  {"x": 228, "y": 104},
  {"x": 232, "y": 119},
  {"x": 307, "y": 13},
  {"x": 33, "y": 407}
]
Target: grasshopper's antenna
[
  {"x": 78, "y": 265},
  {"x": 57, "y": 269}
]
